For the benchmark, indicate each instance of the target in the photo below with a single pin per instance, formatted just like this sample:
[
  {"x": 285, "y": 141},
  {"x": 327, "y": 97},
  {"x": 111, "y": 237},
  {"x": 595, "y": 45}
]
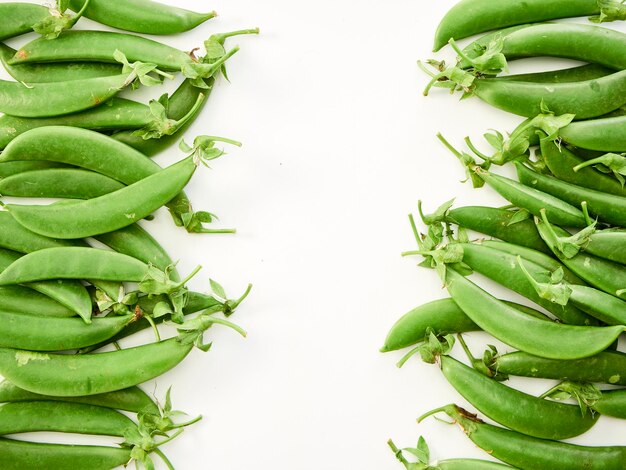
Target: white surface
[{"x": 339, "y": 145}]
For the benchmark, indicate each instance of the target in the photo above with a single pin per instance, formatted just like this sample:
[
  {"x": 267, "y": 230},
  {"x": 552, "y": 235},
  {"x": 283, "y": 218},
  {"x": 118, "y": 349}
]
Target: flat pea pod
[
  {"x": 582, "y": 42},
  {"x": 607, "y": 207},
  {"x": 442, "y": 316},
  {"x": 51, "y": 99},
  {"x": 573, "y": 74},
  {"x": 74, "y": 263},
  {"x": 130, "y": 399},
  {"x": 57, "y": 416},
  {"x": 66, "y": 183},
  {"x": 524, "y": 332},
  {"x": 92, "y": 151},
  {"x": 142, "y": 16},
  {"x": 604, "y": 135},
  {"x": 117, "y": 113},
  {"x": 19, "y": 18},
  {"x": 561, "y": 162},
  {"x": 533, "y": 200},
  {"x": 136, "y": 242},
  {"x": 516, "y": 410},
  {"x": 19, "y": 299},
  {"x": 58, "y": 72},
  {"x": 15, "y": 168},
  {"x": 81, "y": 219},
  {"x": 470, "y": 17},
  {"x": 498, "y": 223},
  {"x": 531, "y": 453},
  {"x": 586, "y": 99},
  {"x": 44, "y": 333},
  {"x": 603, "y": 306},
  {"x": 70, "y": 294},
  {"x": 597, "y": 272},
  {"x": 608, "y": 244},
  {"x": 503, "y": 268},
  {"x": 23, "y": 455},
  {"x": 607, "y": 367}
]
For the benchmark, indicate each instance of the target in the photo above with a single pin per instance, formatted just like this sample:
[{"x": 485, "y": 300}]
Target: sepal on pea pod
[
  {"x": 609, "y": 163},
  {"x": 161, "y": 125},
  {"x": 59, "y": 19},
  {"x": 610, "y": 10},
  {"x": 585, "y": 394},
  {"x": 140, "y": 72}
]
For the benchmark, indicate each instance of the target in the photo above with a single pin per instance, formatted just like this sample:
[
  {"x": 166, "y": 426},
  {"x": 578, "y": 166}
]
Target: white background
[{"x": 339, "y": 144}]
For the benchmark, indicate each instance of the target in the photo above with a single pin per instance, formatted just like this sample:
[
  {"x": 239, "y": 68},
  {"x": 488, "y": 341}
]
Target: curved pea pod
[
  {"x": 142, "y": 16},
  {"x": 51, "y": 99},
  {"x": 19, "y": 299},
  {"x": 530, "y": 452},
  {"x": 608, "y": 244},
  {"x": 516, "y": 410},
  {"x": 81, "y": 219},
  {"x": 45, "y": 333},
  {"x": 442, "y": 316},
  {"x": 502, "y": 267},
  {"x": 131, "y": 399},
  {"x": 561, "y": 163},
  {"x": 573, "y": 74},
  {"x": 498, "y": 223},
  {"x": 70, "y": 294},
  {"x": 524, "y": 332},
  {"x": 67, "y": 183},
  {"x": 20, "y": 455},
  {"x": 470, "y": 17},
  {"x": 19, "y": 18},
  {"x": 604, "y": 135},
  {"x": 117, "y": 113},
  {"x": 56, "y": 72},
  {"x": 56, "y": 416},
  {"x": 88, "y": 374}
]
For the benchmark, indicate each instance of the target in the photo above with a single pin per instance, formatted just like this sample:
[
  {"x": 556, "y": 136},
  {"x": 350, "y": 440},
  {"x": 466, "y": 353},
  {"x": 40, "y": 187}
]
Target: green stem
[
  {"x": 478, "y": 153},
  {"x": 550, "y": 392},
  {"x": 235, "y": 304},
  {"x": 416, "y": 233},
  {"x": 185, "y": 119},
  {"x": 154, "y": 327},
  {"x": 79, "y": 13},
  {"x": 188, "y": 423},
  {"x": 165, "y": 460},
  {"x": 467, "y": 351},
  {"x": 443, "y": 409},
  {"x": 237, "y": 328},
  {"x": 408, "y": 356},
  {"x": 398, "y": 453},
  {"x": 189, "y": 277},
  {"x": 216, "y": 230},
  {"x": 221, "y": 37},
  {"x": 593, "y": 161}
]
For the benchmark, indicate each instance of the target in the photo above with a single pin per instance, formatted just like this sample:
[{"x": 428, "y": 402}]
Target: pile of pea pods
[
  {"x": 82, "y": 273},
  {"x": 560, "y": 243}
]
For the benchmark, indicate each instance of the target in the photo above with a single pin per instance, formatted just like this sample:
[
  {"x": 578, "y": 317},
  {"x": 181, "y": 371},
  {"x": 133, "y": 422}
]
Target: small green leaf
[
  {"x": 610, "y": 10},
  {"x": 519, "y": 216},
  {"x": 218, "y": 290}
]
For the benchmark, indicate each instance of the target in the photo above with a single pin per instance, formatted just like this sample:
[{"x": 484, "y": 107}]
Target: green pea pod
[
  {"x": 21, "y": 455},
  {"x": 131, "y": 399},
  {"x": 81, "y": 219},
  {"x": 67, "y": 183},
  {"x": 516, "y": 410},
  {"x": 530, "y": 452},
  {"x": 142, "y": 16},
  {"x": 607, "y": 367},
  {"x": 470, "y": 17},
  {"x": 612, "y": 403},
  {"x": 56, "y": 72},
  {"x": 70, "y": 294},
  {"x": 19, "y": 18},
  {"x": 526, "y": 333},
  {"x": 56, "y": 416},
  {"x": 19, "y": 299},
  {"x": 15, "y": 168},
  {"x": 88, "y": 374},
  {"x": 117, "y": 113},
  {"x": 608, "y": 244},
  {"x": 574, "y": 74},
  {"x": 605, "y": 135}
]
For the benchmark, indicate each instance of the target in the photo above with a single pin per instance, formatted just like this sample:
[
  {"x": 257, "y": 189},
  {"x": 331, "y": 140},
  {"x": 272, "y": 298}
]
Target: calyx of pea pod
[
  {"x": 556, "y": 290},
  {"x": 488, "y": 60},
  {"x": 59, "y": 20},
  {"x": 586, "y": 394},
  {"x": 140, "y": 72},
  {"x": 192, "y": 331},
  {"x": 433, "y": 347},
  {"x": 466, "y": 420},
  {"x": 483, "y": 365},
  {"x": 420, "y": 454},
  {"x": 610, "y": 10},
  {"x": 565, "y": 246},
  {"x": 609, "y": 163},
  {"x": 161, "y": 125}
]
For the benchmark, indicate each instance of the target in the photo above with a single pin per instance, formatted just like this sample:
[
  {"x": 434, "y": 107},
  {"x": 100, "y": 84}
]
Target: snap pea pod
[
  {"x": 574, "y": 74},
  {"x": 607, "y": 207},
  {"x": 130, "y": 399},
  {"x": 561, "y": 162},
  {"x": 608, "y": 244},
  {"x": 92, "y": 151},
  {"x": 57, "y": 72},
  {"x": 56, "y": 416},
  {"x": 19, "y": 18},
  {"x": 524, "y": 332},
  {"x": 498, "y": 223},
  {"x": 22, "y": 455},
  {"x": 117, "y": 113},
  {"x": 582, "y": 42},
  {"x": 516, "y": 410},
  {"x": 70, "y": 294},
  {"x": 66, "y": 183},
  {"x": 50, "y": 99},
  {"x": 15, "y": 168},
  {"x": 470, "y": 17},
  {"x": 612, "y": 403},
  {"x": 607, "y": 367},
  {"x": 503, "y": 268},
  {"x": 442, "y": 316},
  {"x": 81, "y": 219},
  {"x": 605, "y": 135},
  {"x": 19, "y": 299},
  {"x": 88, "y": 374},
  {"x": 531, "y": 453},
  {"x": 142, "y": 16},
  {"x": 603, "y": 274}
]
